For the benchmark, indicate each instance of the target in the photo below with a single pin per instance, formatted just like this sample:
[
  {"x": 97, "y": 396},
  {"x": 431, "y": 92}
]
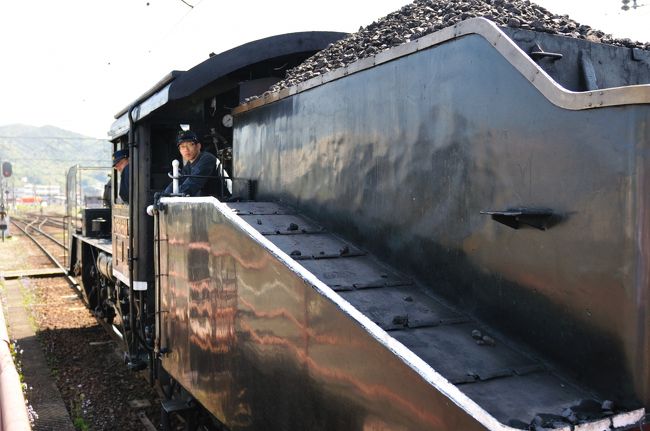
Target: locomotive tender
[{"x": 450, "y": 235}]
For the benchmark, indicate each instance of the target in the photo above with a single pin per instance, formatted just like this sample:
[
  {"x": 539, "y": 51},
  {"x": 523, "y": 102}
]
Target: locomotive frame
[{"x": 414, "y": 128}]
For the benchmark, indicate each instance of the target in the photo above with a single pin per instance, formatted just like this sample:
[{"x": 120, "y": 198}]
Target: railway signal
[
  {"x": 6, "y": 169},
  {"x": 4, "y": 222}
]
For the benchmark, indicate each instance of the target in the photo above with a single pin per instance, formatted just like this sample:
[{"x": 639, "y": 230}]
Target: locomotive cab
[
  {"x": 111, "y": 241},
  {"x": 200, "y": 100}
]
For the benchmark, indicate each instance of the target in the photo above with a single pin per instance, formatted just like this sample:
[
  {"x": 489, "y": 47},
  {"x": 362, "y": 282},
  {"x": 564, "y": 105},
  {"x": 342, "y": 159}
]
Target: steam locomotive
[{"x": 448, "y": 235}]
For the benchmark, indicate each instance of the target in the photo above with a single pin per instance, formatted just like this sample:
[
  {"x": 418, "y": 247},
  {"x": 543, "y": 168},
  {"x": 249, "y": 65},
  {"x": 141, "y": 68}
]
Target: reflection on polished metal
[
  {"x": 403, "y": 157},
  {"x": 268, "y": 342}
]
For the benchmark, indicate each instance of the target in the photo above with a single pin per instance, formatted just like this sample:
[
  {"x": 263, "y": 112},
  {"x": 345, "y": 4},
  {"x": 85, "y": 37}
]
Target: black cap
[
  {"x": 187, "y": 136},
  {"x": 119, "y": 155}
]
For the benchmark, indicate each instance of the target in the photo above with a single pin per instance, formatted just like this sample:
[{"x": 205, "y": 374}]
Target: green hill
[{"x": 42, "y": 155}]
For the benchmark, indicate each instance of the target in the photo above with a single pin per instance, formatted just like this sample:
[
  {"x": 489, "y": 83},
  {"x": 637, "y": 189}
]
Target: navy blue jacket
[
  {"x": 124, "y": 184},
  {"x": 205, "y": 165}
]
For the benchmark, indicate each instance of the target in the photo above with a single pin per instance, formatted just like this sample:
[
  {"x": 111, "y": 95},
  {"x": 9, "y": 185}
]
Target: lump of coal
[
  {"x": 422, "y": 17},
  {"x": 548, "y": 421}
]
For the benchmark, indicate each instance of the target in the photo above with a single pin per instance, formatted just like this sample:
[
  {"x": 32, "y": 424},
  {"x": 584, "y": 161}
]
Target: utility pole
[
  {"x": 6, "y": 173},
  {"x": 4, "y": 219},
  {"x": 2, "y": 192}
]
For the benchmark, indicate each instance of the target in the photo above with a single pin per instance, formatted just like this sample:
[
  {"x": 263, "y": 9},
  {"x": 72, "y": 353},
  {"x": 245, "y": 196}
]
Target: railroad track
[
  {"x": 41, "y": 221},
  {"x": 40, "y": 230},
  {"x": 36, "y": 225},
  {"x": 34, "y": 229},
  {"x": 54, "y": 222},
  {"x": 25, "y": 226}
]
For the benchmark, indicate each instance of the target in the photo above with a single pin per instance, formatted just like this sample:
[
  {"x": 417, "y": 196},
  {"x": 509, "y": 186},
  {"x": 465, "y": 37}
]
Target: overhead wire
[
  {"x": 29, "y": 159},
  {"x": 171, "y": 29},
  {"x": 54, "y": 137}
]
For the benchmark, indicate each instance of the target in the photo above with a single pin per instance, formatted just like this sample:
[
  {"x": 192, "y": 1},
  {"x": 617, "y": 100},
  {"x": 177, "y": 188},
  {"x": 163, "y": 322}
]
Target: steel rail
[
  {"x": 42, "y": 232},
  {"x": 54, "y": 222},
  {"x": 51, "y": 222},
  {"x": 12, "y": 403},
  {"x": 50, "y": 237},
  {"x": 70, "y": 279},
  {"x": 110, "y": 328},
  {"x": 48, "y": 219}
]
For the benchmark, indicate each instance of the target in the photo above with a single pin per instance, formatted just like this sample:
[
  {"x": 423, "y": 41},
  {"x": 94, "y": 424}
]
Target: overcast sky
[{"x": 75, "y": 63}]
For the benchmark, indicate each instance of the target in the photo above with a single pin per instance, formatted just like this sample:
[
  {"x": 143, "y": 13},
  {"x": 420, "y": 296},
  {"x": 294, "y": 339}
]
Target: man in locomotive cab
[
  {"x": 121, "y": 165},
  {"x": 199, "y": 172}
]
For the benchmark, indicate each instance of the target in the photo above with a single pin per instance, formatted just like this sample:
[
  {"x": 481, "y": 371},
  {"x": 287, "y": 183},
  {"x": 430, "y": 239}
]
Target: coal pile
[{"x": 427, "y": 16}]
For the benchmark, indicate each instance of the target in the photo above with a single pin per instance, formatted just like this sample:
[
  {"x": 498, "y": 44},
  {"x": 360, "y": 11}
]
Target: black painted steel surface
[
  {"x": 258, "y": 51},
  {"x": 262, "y": 348},
  {"x": 261, "y": 340},
  {"x": 185, "y": 83},
  {"x": 612, "y": 66},
  {"x": 403, "y": 157}
]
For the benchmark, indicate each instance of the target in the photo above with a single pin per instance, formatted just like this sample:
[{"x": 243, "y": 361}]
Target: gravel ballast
[{"x": 86, "y": 365}]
